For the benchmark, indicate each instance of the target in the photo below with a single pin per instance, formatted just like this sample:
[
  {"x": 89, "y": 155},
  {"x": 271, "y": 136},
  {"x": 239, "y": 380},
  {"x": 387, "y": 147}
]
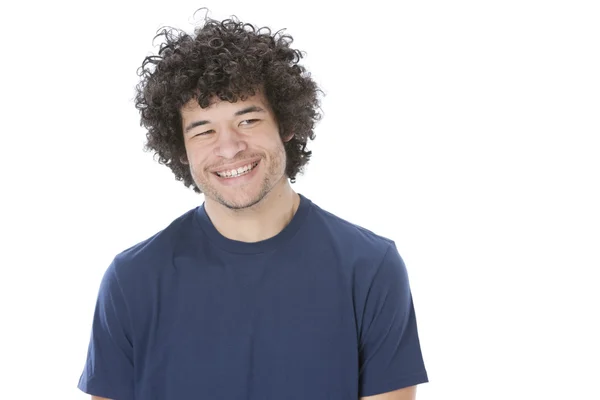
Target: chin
[
  {"x": 240, "y": 206},
  {"x": 241, "y": 202},
  {"x": 239, "y": 199}
]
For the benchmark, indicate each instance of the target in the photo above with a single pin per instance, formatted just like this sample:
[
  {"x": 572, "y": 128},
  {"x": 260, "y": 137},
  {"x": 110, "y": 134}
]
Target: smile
[{"x": 234, "y": 173}]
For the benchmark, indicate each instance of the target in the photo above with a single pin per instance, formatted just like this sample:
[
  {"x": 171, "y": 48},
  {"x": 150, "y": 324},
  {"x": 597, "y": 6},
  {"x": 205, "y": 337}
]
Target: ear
[
  {"x": 183, "y": 159},
  {"x": 288, "y": 137}
]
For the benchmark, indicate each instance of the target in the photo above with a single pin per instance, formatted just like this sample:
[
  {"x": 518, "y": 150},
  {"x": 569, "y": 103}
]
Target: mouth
[{"x": 234, "y": 173}]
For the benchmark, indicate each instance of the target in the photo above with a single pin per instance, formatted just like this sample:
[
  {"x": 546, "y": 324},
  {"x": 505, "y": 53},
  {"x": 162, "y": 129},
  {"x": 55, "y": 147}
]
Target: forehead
[{"x": 221, "y": 108}]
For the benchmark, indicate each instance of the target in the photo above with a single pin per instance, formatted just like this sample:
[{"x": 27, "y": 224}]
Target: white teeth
[{"x": 237, "y": 172}]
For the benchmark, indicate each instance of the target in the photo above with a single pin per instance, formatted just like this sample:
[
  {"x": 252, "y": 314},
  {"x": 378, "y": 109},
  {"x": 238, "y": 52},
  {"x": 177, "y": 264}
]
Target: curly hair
[{"x": 229, "y": 60}]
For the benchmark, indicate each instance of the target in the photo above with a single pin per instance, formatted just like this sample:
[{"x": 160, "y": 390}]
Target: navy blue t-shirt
[{"x": 323, "y": 310}]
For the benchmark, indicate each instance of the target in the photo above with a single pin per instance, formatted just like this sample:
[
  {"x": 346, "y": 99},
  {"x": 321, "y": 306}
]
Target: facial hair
[{"x": 275, "y": 171}]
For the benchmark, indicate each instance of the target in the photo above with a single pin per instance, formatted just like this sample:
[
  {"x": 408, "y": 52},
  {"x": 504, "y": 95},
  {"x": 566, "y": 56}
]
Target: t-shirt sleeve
[
  {"x": 108, "y": 371},
  {"x": 389, "y": 347}
]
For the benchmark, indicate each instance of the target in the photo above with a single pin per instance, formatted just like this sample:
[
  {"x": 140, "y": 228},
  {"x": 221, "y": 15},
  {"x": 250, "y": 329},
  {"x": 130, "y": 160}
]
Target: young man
[{"x": 258, "y": 293}]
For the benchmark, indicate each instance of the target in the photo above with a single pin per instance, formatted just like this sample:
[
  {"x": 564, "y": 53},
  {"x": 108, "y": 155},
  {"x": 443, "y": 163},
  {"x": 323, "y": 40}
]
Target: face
[{"x": 235, "y": 154}]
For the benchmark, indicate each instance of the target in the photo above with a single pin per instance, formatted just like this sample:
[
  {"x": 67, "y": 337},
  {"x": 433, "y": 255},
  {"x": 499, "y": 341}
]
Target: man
[{"x": 258, "y": 293}]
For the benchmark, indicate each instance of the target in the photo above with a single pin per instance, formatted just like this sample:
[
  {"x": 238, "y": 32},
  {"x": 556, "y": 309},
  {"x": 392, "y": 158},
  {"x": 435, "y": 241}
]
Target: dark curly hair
[{"x": 231, "y": 60}]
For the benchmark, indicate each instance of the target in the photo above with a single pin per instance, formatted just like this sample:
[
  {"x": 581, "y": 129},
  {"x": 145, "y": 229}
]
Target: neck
[{"x": 259, "y": 222}]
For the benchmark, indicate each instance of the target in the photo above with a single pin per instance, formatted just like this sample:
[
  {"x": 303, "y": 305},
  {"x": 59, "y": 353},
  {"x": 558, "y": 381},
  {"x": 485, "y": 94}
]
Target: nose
[{"x": 229, "y": 143}]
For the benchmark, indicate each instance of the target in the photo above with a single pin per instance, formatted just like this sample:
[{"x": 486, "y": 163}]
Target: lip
[
  {"x": 239, "y": 180},
  {"x": 235, "y": 166}
]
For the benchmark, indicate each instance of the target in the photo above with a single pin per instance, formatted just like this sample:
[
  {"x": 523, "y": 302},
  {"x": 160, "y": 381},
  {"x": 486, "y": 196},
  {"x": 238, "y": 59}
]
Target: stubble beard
[{"x": 275, "y": 172}]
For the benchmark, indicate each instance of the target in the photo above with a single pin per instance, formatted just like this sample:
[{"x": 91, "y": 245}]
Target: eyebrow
[{"x": 243, "y": 111}]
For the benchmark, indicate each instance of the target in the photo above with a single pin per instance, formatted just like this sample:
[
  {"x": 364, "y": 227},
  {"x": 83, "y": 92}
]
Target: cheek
[
  {"x": 198, "y": 170},
  {"x": 195, "y": 169},
  {"x": 197, "y": 157}
]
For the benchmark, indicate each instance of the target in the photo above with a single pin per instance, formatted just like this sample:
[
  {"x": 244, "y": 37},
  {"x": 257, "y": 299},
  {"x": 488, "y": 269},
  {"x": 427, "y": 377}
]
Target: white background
[{"x": 467, "y": 131}]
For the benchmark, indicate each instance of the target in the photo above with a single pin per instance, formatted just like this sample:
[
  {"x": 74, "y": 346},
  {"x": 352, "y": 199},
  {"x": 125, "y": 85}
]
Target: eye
[
  {"x": 204, "y": 133},
  {"x": 249, "y": 121}
]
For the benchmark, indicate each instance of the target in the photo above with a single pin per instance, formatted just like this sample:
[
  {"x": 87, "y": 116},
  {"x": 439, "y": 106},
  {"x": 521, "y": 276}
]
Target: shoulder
[
  {"x": 341, "y": 231},
  {"x": 155, "y": 249},
  {"x": 359, "y": 251},
  {"x": 369, "y": 262}
]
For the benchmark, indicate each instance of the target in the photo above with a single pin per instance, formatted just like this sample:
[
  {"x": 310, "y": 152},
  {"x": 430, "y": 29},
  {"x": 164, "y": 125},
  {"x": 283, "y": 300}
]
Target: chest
[{"x": 257, "y": 332}]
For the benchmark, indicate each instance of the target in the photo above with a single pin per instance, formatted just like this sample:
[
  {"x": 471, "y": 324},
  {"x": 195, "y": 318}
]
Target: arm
[
  {"x": 99, "y": 398},
  {"x": 408, "y": 393},
  {"x": 108, "y": 370},
  {"x": 391, "y": 364}
]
